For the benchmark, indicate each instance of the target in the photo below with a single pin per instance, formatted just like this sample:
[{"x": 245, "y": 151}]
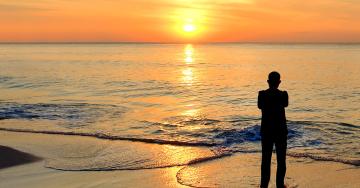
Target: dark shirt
[{"x": 272, "y": 103}]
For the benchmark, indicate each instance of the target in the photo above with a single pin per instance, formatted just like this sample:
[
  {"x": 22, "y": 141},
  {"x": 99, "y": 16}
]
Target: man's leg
[
  {"x": 267, "y": 146},
  {"x": 280, "y": 145}
]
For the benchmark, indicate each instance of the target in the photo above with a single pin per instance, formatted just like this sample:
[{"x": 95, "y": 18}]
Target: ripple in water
[{"x": 312, "y": 139}]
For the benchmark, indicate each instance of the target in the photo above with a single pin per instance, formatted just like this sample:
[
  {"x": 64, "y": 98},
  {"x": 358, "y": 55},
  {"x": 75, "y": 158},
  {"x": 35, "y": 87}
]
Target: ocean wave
[
  {"x": 72, "y": 114},
  {"x": 25, "y": 83},
  {"x": 219, "y": 151},
  {"x": 111, "y": 137},
  {"x": 4, "y": 79},
  {"x": 235, "y": 134},
  {"x": 355, "y": 162},
  {"x": 121, "y": 155}
]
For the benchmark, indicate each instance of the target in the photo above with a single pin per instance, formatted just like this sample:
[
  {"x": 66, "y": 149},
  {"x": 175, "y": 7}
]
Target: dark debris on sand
[{"x": 10, "y": 157}]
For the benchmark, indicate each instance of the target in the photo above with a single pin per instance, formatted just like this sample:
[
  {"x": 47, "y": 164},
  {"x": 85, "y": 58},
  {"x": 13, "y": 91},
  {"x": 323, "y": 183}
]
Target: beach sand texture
[{"x": 240, "y": 170}]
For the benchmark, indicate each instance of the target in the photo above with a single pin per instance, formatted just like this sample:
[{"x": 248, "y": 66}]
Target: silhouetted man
[{"x": 272, "y": 103}]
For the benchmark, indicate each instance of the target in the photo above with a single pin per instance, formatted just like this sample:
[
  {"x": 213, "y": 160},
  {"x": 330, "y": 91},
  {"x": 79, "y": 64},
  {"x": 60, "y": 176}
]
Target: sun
[{"x": 189, "y": 28}]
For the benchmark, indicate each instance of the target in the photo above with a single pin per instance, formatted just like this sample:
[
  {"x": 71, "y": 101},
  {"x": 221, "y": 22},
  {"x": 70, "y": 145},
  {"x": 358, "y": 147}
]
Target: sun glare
[
  {"x": 189, "y": 24},
  {"x": 189, "y": 28}
]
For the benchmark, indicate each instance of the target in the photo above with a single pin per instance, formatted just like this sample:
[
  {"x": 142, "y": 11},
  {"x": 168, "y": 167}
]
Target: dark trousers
[{"x": 267, "y": 143}]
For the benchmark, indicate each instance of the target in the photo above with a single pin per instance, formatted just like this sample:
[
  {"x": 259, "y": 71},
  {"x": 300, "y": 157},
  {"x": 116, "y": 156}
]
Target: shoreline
[{"x": 238, "y": 169}]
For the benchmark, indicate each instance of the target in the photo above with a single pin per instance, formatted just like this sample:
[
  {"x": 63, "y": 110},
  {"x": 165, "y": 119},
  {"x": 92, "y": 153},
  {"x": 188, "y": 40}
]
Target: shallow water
[{"x": 198, "y": 95}]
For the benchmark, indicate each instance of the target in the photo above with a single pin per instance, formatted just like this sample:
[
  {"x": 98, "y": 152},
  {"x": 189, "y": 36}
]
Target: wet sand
[
  {"x": 239, "y": 170},
  {"x": 243, "y": 170}
]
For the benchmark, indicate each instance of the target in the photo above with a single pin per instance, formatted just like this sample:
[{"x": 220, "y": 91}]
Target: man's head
[{"x": 274, "y": 79}]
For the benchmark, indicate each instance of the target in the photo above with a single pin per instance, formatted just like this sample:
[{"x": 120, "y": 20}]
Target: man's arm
[
  {"x": 285, "y": 99},
  {"x": 260, "y": 101}
]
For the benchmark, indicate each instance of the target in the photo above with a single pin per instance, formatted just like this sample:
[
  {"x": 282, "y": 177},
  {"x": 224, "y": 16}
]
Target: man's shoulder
[
  {"x": 272, "y": 92},
  {"x": 262, "y": 92}
]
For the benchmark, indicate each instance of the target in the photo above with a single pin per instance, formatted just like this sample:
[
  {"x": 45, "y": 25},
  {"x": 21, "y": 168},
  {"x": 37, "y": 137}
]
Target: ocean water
[{"x": 200, "y": 96}]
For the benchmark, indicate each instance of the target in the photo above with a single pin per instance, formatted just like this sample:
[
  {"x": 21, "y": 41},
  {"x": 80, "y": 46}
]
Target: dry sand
[{"x": 240, "y": 170}]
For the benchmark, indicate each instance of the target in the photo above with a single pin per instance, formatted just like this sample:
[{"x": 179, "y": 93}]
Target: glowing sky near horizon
[{"x": 180, "y": 21}]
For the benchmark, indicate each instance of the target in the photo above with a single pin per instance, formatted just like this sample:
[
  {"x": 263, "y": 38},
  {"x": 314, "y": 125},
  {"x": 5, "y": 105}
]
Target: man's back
[{"x": 272, "y": 103}]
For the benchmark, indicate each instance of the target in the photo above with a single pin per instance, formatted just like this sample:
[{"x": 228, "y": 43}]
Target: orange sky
[{"x": 163, "y": 20}]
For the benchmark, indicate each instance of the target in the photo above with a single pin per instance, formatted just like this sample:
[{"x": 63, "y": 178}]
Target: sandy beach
[
  {"x": 238, "y": 170},
  {"x": 158, "y": 94}
]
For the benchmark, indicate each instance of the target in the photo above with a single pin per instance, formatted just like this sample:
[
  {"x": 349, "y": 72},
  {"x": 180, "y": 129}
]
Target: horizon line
[{"x": 126, "y": 42}]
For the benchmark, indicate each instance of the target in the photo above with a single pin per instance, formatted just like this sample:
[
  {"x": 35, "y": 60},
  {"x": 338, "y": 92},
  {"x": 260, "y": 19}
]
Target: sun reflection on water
[
  {"x": 185, "y": 155},
  {"x": 190, "y": 112},
  {"x": 189, "y": 76},
  {"x": 188, "y": 72},
  {"x": 189, "y": 51}
]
